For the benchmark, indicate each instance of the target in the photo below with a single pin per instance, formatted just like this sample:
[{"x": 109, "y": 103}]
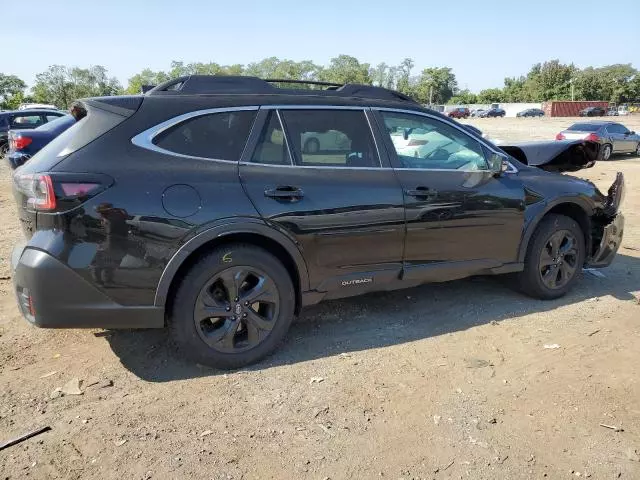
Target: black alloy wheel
[
  {"x": 232, "y": 307},
  {"x": 236, "y": 309},
  {"x": 558, "y": 260}
]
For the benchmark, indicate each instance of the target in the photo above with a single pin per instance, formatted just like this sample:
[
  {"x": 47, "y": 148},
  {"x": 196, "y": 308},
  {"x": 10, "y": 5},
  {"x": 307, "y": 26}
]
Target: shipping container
[{"x": 557, "y": 108}]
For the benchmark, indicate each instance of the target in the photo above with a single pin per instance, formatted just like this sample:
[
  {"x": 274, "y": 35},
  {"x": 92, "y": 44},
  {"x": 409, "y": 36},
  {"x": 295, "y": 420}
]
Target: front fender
[{"x": 536, "y": 213}]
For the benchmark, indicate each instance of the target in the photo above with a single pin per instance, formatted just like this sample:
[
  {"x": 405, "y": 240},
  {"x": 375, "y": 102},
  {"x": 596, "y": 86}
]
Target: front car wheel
[{"x": 554, "y": 259}]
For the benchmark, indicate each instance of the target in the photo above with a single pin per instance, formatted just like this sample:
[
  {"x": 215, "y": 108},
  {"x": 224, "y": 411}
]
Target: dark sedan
[
  {"x": 531, "y": 112},
  {"x": 23, "y": 144},
  {"x": 613, "y": 137},
  {"x": 592, "y": 112},
  {"x": 494, "y": 112}
]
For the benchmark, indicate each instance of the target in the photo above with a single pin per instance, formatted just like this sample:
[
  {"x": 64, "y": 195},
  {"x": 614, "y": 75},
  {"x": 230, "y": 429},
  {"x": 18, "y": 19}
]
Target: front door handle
[
  {"x": 422, "y": 192},
  {"x": 284, "y": 192}
]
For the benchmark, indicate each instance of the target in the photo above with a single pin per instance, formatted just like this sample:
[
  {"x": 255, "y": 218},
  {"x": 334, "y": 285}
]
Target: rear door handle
[
  {"x": 422, "y": 192},
  {"x": 284, "y": 192}
]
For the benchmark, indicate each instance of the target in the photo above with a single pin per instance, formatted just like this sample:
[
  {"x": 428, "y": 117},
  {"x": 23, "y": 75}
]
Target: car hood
[{"x": 555, "y": 155}]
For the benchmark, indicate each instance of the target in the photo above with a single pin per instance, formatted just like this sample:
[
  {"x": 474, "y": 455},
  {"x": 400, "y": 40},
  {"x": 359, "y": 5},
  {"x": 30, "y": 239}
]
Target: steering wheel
[{"x": 438, "y": 154}]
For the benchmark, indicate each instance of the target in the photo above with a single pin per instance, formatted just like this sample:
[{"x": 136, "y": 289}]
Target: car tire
[
  {"x": 243, "y": 332},
  {"x": 606, "y": 152},
  {"x": 4, "y": 149},
  {"x": 637, "y": 152},
  {"x": 312, "y": 146},
  {"x": 554, "y": 259}
]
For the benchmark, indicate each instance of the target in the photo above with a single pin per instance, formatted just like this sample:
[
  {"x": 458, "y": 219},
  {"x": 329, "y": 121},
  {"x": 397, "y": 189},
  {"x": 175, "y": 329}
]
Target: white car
[
  {"x": 29, "y": 106},
  {"x": 314, "y": 142}
]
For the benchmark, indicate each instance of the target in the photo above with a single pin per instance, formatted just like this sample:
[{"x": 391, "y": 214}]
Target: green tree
[
  {"x": 404, "y": 74},
  {"x": 11, "y": 91},
  {"x": 463, "y": 97},
  {"x": 146, "y": 77},
  {"x": 435, "y": 85},
  {"x": 491, "y": 95},
  {"x": 62, "y": 85},
  {"x": 346, "y": 69}
]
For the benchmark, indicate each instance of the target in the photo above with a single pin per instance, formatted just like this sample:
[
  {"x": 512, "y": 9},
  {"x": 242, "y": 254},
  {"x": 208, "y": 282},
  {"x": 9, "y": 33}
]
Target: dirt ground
[{"x": 442, "y": 381}]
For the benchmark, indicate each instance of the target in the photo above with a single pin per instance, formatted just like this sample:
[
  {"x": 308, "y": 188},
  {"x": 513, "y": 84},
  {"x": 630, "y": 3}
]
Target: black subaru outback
[{"x": 220, "y": 206}]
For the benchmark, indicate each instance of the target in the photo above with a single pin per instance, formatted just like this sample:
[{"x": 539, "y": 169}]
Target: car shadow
[{"x": 380, "y": 320}]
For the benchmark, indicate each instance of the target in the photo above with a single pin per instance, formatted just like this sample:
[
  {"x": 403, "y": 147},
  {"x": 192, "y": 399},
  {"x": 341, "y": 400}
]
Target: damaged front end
[
  {"x": 555, "y": 156},
  {"x": 607, "y": 226}
]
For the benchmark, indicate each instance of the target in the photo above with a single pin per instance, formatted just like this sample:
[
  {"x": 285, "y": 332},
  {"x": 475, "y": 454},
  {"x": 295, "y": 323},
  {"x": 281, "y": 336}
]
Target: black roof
[{"x": 226, "y": 84}]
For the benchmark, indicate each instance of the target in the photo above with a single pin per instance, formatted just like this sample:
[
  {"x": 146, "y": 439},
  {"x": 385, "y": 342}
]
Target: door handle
[
  {"x": 285, "y": 192},
  {"x": 422, "y": 192}
]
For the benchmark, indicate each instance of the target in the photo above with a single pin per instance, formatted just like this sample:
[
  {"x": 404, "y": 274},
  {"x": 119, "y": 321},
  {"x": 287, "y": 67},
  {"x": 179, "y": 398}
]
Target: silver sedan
[{"x": 613, "y": 137}]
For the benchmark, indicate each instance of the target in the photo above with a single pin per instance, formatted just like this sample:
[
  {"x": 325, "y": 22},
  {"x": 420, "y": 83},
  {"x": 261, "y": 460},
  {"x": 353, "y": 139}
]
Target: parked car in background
[
  {"x": 31, "y": 106},
  {"x": 21, "y": 119},
  {"x": 267, "y": 229},
  {"x": 612, "y": 112},
  {"x": 531, "y": 112},
  {"x": 460, "y": 112},
  {"x": 329, "y": 141},
  {"x": 623, "y": 110},
  {"x": 477, "y": 112},
  {"x": 592, "y": 112},
  {"x": 494, "y": 112},
  {"x": 23, "y": 144},
  {"x": 613, "y": 137}
]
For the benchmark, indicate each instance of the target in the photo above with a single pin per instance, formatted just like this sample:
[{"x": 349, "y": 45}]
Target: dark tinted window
[
  {"x": 272, "y": 147},
  {"x": 340, "y": 138},
  {"x": 218, "y": 135},
  {"x": 585, "y": 127},
  {"x": 616, "y": 128}
]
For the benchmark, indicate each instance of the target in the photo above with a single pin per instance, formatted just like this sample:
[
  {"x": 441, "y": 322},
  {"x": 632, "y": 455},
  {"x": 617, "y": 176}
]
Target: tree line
[{"x": 61, "y": 85}]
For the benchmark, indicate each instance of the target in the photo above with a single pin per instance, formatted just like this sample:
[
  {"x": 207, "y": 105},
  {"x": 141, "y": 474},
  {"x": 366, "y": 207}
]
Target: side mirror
[
  {"x": 498, "y": 164},
  {"x": 632, "y": 132}
]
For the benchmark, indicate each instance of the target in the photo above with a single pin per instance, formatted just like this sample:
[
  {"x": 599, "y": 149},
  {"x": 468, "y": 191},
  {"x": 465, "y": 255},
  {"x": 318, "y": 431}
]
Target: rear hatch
[{"x": 37, "y": 189}]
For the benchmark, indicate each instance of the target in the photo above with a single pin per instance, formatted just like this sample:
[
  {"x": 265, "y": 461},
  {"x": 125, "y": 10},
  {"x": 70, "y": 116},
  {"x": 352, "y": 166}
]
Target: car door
[
  {"x": 460, "y": 217},
  {"x": 625, "y": 141},
  {"x": 343, "y": 207}
]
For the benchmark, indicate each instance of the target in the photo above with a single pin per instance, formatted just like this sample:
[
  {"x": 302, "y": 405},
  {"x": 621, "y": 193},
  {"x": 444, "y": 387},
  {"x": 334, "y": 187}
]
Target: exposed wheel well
[
  {"x": 577, "y": 213},
  {"x": 258, "y": 240}
]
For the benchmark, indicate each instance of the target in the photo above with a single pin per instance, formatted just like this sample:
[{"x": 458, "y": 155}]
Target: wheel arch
[
  {"x": 571, "y": 208},
  {"x": 251, "y": 231}
]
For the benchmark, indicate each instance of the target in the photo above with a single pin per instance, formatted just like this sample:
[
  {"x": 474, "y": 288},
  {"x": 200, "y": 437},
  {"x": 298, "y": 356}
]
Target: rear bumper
[
  {"x": 609, "y": 244},
  {"x": 16, "y": 159},
  {"x": 51, "y": 295}
]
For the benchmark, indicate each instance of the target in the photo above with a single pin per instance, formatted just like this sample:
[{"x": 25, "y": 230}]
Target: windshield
[
  {"x": 584, "y": 127},
  {"x": 58, "y": 122}
]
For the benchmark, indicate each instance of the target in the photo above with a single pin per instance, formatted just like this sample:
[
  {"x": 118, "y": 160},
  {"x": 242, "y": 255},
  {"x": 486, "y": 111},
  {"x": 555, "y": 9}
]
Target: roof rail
[{"x": 212, "y": 84}]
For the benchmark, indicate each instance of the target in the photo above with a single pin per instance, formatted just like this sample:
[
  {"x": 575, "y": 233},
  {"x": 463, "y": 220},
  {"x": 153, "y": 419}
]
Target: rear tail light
[
  {"x": 48, "y": 193},
  {"x": 38, "y": 189},
  {"x": 20, "y": 142},
  {"x": 592, "y": 137},
  {"x": 416, "y": 143},
  {"x": 560, "y": 136}
]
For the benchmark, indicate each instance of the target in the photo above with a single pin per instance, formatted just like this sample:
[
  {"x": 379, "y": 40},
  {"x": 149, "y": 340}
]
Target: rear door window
[
  {"x": 219, "y": 136},
  {"x": 26, "y": 121},
  {"x": 332, "y": 138}
]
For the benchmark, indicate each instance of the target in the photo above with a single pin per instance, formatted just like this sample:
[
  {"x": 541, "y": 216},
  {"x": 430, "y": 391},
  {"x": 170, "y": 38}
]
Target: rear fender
[{"x": 219, "y": 231}]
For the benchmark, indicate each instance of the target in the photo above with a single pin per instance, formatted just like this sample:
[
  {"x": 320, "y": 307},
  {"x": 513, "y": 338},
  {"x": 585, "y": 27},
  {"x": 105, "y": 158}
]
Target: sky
[{"x": 483, "y": 41}]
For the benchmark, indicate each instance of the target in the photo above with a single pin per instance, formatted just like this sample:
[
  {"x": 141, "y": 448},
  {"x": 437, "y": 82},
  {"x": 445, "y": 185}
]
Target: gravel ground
[{"x": 442, "y": 381}]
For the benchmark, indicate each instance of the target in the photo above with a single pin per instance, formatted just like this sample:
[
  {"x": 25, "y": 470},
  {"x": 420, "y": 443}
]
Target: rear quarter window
[{"x": 219, "y": 136}]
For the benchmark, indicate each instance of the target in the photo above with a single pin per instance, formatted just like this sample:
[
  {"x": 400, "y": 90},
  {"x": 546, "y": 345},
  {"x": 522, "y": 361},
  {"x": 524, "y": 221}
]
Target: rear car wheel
[
  {"x": 638, "y": 150},
  {"x": 554, "y": 259},
  {"x": 606, "y": 152},
  {"x": 4, "y": 149},
  {"x": 233, "y": 307}
]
